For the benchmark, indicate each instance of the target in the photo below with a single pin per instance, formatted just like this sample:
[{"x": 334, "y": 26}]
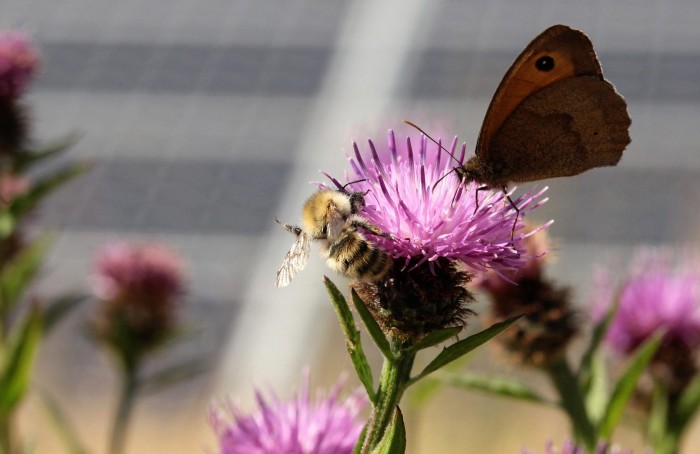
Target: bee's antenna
[
  {"x": 410, "y": 123},
  {"x": 352, "y": 182}
]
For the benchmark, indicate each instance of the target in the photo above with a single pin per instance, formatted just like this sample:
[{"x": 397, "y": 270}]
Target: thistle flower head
[
  {"x": 19, "y": 62},
  {"x": 300, "y": 425},
  {"x": 656, "y": 296},
  {"x": 569, "y": 447},
  {"x": 433, "y": 220},
  {"x": 138, "y": 285},
  {"x": 437, "y": 233}
]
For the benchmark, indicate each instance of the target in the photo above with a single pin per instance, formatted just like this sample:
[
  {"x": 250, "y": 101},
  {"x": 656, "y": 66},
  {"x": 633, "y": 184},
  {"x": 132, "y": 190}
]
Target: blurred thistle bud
[
  {"x": 19, "y": 62},
  {"x": 14, "y": 129},
  {"x": 550, "y": 321},
  {"x": 139, "y": 286}
]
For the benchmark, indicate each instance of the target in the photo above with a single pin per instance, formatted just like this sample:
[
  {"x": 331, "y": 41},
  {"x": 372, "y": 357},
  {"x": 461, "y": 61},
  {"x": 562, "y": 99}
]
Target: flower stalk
[
  {"x": 127, "y": 398},
  {"x": 393, "y": 381},
  {"x": 572, "y": 402}
]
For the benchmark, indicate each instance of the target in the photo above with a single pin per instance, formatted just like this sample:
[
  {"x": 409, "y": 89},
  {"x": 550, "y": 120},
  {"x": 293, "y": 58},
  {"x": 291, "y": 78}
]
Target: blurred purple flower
[
  {"x": 569, "y": 447},
  {"x": 654, "y": 296},
  {"x": 124, "y": 270},
  {"x": 431, "y": 220},
  {"x": 19, "y": 62},
  {"x": 139, "y": 286},
  {"x": 296, "y": 426}
]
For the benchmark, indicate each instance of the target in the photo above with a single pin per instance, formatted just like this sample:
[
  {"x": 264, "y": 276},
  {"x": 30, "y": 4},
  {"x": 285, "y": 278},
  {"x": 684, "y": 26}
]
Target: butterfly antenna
[
  {"x": 410, "y": 123},
  {"x": 442, "y": 178}
]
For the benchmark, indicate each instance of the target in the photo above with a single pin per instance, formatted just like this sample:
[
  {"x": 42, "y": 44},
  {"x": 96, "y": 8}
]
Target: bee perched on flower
[
  {"x": 436, "y": 233},
  {"x": 331, "y": 217}
]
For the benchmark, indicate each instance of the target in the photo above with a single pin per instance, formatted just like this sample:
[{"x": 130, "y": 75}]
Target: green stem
[
  {"x": 669, "y": 444},
  {"x": 396, "y": 373},
  {"x": 130, "y": 386},
  {"x": 572, "y": 402}
]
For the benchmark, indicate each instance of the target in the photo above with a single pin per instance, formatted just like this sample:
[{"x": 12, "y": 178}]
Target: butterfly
[{"x": 552, "y": 115}]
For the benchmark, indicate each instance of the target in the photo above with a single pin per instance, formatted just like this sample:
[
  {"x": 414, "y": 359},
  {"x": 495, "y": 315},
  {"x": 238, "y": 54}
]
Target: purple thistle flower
[
  {"x": 431, "y": 220},
  {"x": 569, "y": 447},
  {"x": 654, "y": 296},
  {"x": 296, "y": 426},
  {"x": 434, "y": 231},
  {"x": 19, "y": 62}
]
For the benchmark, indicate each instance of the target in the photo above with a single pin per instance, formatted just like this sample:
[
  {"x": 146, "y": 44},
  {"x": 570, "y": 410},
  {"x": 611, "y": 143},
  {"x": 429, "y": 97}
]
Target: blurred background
[{"x": 206, "y": 120}]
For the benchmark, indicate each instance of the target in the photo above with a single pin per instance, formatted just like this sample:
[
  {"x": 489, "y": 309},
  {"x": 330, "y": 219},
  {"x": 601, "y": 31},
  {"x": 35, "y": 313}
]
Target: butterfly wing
[
  {"x": 564, "y": 129},
  {"x": 294, "y": 261},
  {"x": 571, "y": 54}
]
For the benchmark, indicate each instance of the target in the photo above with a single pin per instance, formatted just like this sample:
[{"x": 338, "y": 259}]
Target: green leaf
[
  {"x": 394, "y": 439},
  {"x": 373, "y": 328},
  {"x": 599, "y": 331},
  {"x": 353, "y": 343},
  {"x": 625, "y": 386},
  {"x": 18, "y": 360},
  {"x": 504, "y": 387},
  {"x": 59, "y": 420},
  {"x": 435, "y": 338},
  {"x": 461, "y": 348},
  {"x": 687, "y": 406},
  {"x": 173, "y": 375},
  {"x": 45, "y": 186},
  {"x": 31, "y": 157},
  {"x": 17, "y": 274},
  {"x": 360, "y": 441},
  {"x": 8, "y": 223},
  {"x": 59, "y": 308},
  {"x": 596, "y": 393},
  {"x": 656, "y": 427}
]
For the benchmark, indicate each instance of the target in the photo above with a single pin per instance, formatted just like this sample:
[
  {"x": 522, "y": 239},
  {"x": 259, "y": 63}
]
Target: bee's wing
[
  {"x": 336, "y": 224},
  {"x": 294, "y": 261}
]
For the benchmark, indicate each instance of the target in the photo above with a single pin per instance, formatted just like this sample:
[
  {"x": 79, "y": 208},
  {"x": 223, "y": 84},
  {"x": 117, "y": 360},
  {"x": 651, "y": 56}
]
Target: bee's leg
[
  {"x": 289, "y": 228},
  {"x": 355, "y": 223}
]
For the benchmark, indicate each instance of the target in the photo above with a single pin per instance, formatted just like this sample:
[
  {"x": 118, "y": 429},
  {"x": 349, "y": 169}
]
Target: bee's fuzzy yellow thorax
[{"x": 321, "y": 208}]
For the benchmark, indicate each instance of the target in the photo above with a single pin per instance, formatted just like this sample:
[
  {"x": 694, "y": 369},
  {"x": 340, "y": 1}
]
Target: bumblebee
[{"x": 331, "y": 217}]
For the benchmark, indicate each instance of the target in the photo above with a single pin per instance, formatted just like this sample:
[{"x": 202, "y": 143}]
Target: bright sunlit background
[{"x": 207, "y": 119}]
